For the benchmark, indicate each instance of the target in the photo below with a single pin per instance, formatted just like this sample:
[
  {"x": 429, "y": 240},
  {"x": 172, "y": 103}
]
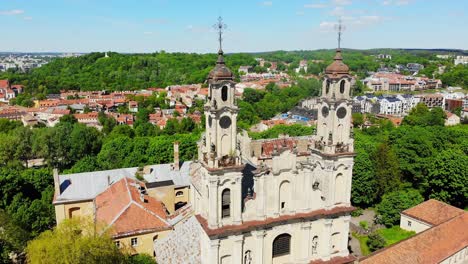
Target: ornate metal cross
[
  {"x": 340, "y": 28},
  {"x": 220, "y": 27}
]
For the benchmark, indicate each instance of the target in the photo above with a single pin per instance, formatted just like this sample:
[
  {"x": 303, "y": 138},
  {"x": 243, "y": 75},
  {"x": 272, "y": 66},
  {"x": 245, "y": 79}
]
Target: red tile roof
[
  {"x": 431, "y": 246},
  {"x": 121, "y": 208},
  {"x": 4, "y": 84},
  {"x": 335, "y": 260},
  {"x": 433, "y": 212},
  {"x": 270, "y": 146},
  {"x": 272, "y": 221}
]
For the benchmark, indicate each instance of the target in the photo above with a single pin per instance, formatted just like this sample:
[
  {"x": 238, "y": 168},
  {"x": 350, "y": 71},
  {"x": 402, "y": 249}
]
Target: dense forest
[
  {"x": 398, "y": 167},
  {"x": 119, "y": 72}
]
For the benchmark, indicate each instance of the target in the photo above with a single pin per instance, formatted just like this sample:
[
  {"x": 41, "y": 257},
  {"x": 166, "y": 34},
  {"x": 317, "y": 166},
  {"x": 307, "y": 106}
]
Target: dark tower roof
[
  {"x": 221, "y": 71},
  {"x": 337, "y": 68}
]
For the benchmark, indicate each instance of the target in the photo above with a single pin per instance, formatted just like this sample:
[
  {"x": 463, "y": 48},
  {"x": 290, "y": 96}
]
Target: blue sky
[{"x": 186, "y": 25}]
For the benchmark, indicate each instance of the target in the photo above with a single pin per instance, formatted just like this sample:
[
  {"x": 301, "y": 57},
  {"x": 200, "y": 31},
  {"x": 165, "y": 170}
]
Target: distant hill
[{"x": 94, "y": 71}]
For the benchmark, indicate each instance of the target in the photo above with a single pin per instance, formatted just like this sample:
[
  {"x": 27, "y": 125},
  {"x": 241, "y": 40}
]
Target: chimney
[
  {"x": 56, "y": 183},
  {"x": 176, "y": 156}
]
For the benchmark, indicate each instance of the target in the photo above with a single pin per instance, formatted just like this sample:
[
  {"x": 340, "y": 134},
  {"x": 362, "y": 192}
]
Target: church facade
[{"x": 285, "y": 200}]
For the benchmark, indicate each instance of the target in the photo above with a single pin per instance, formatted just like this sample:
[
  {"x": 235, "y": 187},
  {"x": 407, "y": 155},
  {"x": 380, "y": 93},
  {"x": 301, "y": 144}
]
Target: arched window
[
  {"x": 342, "y": 86},
  {"x": 226, "y": 203},
  {"x": 224, "y": 93},
  {"x": 284, "y": 194},
  {"x": 248, "y": 257},
  {"x": 282, "y": 245},
  {"x": 314, "y": 245},
  {"x": 339, "y": 189},
  {"x": 335, "y": 239},
  {"x": 226, "y": 259},
  {"x": 327, "y": 87},
  {"x": 74, "y": 212},
  {"x": 179, "y": 205},
  {"x": 179, "y": 193}
]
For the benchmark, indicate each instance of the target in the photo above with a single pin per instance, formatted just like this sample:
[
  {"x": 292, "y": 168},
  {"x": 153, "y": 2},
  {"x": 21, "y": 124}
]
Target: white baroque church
[{"x": 283, "y": 200}]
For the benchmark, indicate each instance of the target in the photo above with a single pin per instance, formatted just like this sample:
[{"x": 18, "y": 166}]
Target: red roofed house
[
  {"x": 427, "y": 214},
  {"x": 4, "y": 84},
  {"x": 135, "y": 219},
  {"x": 443, "y": 237}
]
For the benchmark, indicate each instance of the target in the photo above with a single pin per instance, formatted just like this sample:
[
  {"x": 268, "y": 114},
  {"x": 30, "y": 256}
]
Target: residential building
[
  {"x": 137, "y": 213},
  {"x": 441, "y": 237},
  {"x": 427, "y": 214},
  {"x": 245, "y": 69},
  {"x": 390, "y": 106},
  {"x": 461, "y": 60},
  {"x": 452, "y": 104},
  {"x": 414, "y": 67},
  {"x": 384, "y": 56},
  {"x": 432, "y": 100},
  {"x": 452, "y": 119}
]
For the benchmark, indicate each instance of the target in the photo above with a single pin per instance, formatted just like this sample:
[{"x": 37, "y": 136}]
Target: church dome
[
  {"x": 220, "y": 71},
  {"x": 337, "y": 66}
]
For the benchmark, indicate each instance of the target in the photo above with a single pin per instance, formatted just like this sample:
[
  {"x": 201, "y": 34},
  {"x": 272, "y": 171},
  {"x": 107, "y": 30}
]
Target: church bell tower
[
  {"x": 334, "y": 132},
  {"x": 218, "y": 181}
]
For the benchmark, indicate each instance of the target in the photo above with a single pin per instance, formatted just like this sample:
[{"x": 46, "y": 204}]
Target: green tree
[
  {"x": 7, "y": 125},
  {"x": 448, "y": 177},
  {"x": 375, "y": 241},
  {"x": 422, "y": 116},
  {"x": 364, "y": 183},
  {"x": 74, "y": 241},
  {"x": 387, "y": 171},
  {"x": 141, "y": 259},
  {"x": 107, "y": 122},
  {"x": 358, "y": 120},
  {"x": 68, "y": 119},
  {"x": 394, "y": 203},
  {"x": 12, "y": 238}
]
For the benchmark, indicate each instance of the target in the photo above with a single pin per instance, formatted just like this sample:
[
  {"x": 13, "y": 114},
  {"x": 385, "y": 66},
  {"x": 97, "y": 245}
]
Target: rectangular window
[
  {"x": 409, "y": 223},
  {"x": 134, "y": 242}
]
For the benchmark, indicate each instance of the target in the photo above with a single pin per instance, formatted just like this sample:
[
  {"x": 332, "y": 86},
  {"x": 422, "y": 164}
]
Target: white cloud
[
  {"x": 328, "y": 26},
  {"x": 12, "y": 12},
  {"x": 351, "y": 23},
  {"x": 266, "y": 3},
  {"x": 197, "y": 29},
  {"x": 27, "y": 18},
  {"x": 341, "y": 2},
  {"x": 315, "y": 5},
  {"x": 402, "y": 2},
  {"x": 156, "y": 21},
  {"x": 338, "y": 11},
  {"x": 300, "y": 13},
  {"x": 396, "y": 2}
]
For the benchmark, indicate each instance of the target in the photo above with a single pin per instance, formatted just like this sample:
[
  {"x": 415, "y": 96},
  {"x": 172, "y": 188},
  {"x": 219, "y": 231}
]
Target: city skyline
[{"x": 253, "y": 26}]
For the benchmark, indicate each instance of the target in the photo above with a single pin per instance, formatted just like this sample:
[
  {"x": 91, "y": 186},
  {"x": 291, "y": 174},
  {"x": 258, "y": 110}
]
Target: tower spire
[{"x": 220, "y": 27}]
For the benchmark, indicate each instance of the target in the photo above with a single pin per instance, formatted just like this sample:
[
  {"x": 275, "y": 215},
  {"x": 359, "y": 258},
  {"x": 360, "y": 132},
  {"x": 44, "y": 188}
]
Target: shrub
[
  {"x": 364, "y": 225},
  {"x": 394, "y": 203},
  {"x": 357, "y": 212},
  {"x": 375, "y": 242}
]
